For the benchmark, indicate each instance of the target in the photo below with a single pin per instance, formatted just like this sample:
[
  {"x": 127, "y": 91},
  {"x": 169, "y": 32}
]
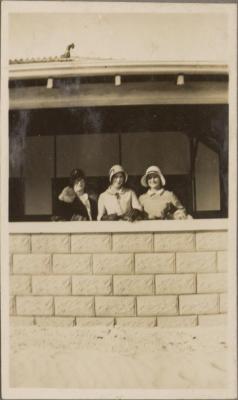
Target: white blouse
[
  {"x": 117, "y": 202},
  {"x": 85, "y": 200}
]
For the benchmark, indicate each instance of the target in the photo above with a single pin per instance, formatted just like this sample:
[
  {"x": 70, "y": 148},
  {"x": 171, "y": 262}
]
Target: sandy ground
[{"x": 150, "y": 358}]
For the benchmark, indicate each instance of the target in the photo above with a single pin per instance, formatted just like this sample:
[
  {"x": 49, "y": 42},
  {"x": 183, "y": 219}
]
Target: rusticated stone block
[
  {"x": 223, "y": 303},
  {"x": 19, "y": 243},
  {"x": 49, "y": 285},
  {"x": 53, "y": 243},
  {"x": 132, "y": 242},
  {"x": 31, "y": 264},
  {"x": 133, "y": 285},
  {"x": 136, "y": 322},
  {"x": 94, "y": 321},
  {"x": 72, "y": 264},
  {"x": 211, "y": 283},
  {"x": 212, "y": 320},
  {"x": 115, "y": 306},
  {"x": 222, "y": 261},
  {"x": 196, "y": 262},
  {"x": 211, "y": 240},
  {"x": 92, "y": 285},
  {"x": 113, "y": 263},
  {"x": 21, "y": 321},
  {"x": 86, "y": 243},
  {"x": 174, "y": 241},
  {"x": 155, "y": 263},
  {"x": 55, "y": 321},
  {"x": 157, "y": 305},
  {"x": 34, "y": 305},
  {"x": 198, "y": 304},
  {"x": 20, "y": 284},
  {"x": 177, "y": 322},
  {"x": 74, "y": 306},
  {"x": 175, "y": 284}
]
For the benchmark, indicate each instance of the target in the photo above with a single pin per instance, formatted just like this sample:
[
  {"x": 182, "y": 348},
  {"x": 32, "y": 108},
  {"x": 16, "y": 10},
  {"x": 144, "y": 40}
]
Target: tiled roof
[
  {"x": 75, "y": 60},
  {"x": 39, "y": 60}
]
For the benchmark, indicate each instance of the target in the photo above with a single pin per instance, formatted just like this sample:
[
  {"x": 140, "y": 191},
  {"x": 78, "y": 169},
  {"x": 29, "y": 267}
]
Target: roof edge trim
[{"x": 66, "y": 69}]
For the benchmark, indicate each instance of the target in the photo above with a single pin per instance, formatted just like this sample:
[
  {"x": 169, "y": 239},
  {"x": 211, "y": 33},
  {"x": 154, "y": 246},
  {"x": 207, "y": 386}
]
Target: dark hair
[
  {"x": 119, "y": 172},
  {"x": 151, "y": 174},
  {"x": 75, "y": 174}
]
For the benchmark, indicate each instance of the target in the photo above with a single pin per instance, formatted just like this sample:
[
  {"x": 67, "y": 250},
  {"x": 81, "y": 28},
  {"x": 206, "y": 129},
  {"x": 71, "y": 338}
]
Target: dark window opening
[
  {"x": 78, "y": 80},
  {"x": 188, "y": 142}
]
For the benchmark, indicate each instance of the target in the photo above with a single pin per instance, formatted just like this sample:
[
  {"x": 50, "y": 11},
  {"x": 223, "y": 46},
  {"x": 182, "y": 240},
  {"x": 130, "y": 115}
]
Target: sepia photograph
[{"x": 119, "y": 205}]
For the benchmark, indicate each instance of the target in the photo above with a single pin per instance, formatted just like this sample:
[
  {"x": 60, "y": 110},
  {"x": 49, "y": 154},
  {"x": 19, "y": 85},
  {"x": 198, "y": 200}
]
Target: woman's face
[
  {"x": 154, "y": 181},
  {"x": 118, "y": 180},
  {"x": 79, "y": 185}
]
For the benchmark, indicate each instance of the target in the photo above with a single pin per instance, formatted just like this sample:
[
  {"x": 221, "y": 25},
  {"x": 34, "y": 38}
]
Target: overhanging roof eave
[{"x": 66, "y": 69}]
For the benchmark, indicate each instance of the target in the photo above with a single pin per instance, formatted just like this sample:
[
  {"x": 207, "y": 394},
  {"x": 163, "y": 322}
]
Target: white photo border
[{"x": 8, "y": 228}]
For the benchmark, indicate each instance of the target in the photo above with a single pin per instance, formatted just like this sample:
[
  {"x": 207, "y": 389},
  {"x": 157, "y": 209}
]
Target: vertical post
[
  {"x": 53, "y": 180},
  {"x": 223, "y": 184},
  {"x": 120, "y": 150},
  {"x": 55, "y": 157},
  {"x": 193, "y": 154}
]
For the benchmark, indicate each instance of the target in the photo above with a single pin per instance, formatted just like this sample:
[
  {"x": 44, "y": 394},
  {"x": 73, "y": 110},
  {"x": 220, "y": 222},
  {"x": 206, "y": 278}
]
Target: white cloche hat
[
  {"x": 115, "y": 169},
  {"x": 152, "y": 170}
]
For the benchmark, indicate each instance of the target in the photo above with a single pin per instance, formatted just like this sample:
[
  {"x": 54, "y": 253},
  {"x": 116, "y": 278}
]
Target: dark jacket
[{"x": 71, "y": 207}]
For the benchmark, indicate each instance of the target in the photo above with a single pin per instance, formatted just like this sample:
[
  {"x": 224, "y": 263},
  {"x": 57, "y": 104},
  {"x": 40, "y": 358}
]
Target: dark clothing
[
  {"x": 68, "y": 210},
  {"x": 71, "y": 208}
]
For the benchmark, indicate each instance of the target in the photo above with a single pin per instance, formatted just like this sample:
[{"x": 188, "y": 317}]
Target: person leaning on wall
[
  {"x": 118, "y": 202},
  {"x": 75, "y": 203},
  {"x": 157, "y": 202}
]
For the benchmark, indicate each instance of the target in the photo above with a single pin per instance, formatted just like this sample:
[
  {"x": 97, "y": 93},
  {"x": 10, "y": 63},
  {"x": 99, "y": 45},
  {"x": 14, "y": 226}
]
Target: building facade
[{"x": 66, "y": 113}]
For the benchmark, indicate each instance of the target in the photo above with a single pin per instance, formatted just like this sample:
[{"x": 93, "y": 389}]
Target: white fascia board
[{"x": 66, "y": 69}]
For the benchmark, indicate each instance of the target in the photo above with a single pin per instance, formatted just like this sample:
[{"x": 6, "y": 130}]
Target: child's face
[
  {"x": 118, "y": 180},
  {"x": 154, "y": 181},
  {"x": 79, "y": 185}
]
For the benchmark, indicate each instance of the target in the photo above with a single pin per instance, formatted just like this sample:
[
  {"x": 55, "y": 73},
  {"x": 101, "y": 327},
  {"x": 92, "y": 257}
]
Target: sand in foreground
[{"x": 114, "y": 358}]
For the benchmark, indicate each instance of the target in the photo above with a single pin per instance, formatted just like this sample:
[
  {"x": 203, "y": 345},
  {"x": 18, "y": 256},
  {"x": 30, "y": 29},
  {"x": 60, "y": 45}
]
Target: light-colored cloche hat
[
  {"x": 152, "y": 170},
  {"x": 115, "y": 169}
]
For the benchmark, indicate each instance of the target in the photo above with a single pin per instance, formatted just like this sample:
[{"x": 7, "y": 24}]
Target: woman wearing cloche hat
[
  {"x": 157, "y": 202},
  {"x": 118, "y": 202}
]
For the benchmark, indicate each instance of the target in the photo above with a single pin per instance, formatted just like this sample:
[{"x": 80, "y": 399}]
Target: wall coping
[{"x": 118, "y": 226}]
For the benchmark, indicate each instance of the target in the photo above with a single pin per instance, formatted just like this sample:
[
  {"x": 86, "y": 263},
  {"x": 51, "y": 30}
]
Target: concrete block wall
[{"x": 127, "y": 279}]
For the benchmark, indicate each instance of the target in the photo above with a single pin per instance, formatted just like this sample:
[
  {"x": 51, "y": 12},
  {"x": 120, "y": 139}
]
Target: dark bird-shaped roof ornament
[{"x": 67, "y": 51}]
